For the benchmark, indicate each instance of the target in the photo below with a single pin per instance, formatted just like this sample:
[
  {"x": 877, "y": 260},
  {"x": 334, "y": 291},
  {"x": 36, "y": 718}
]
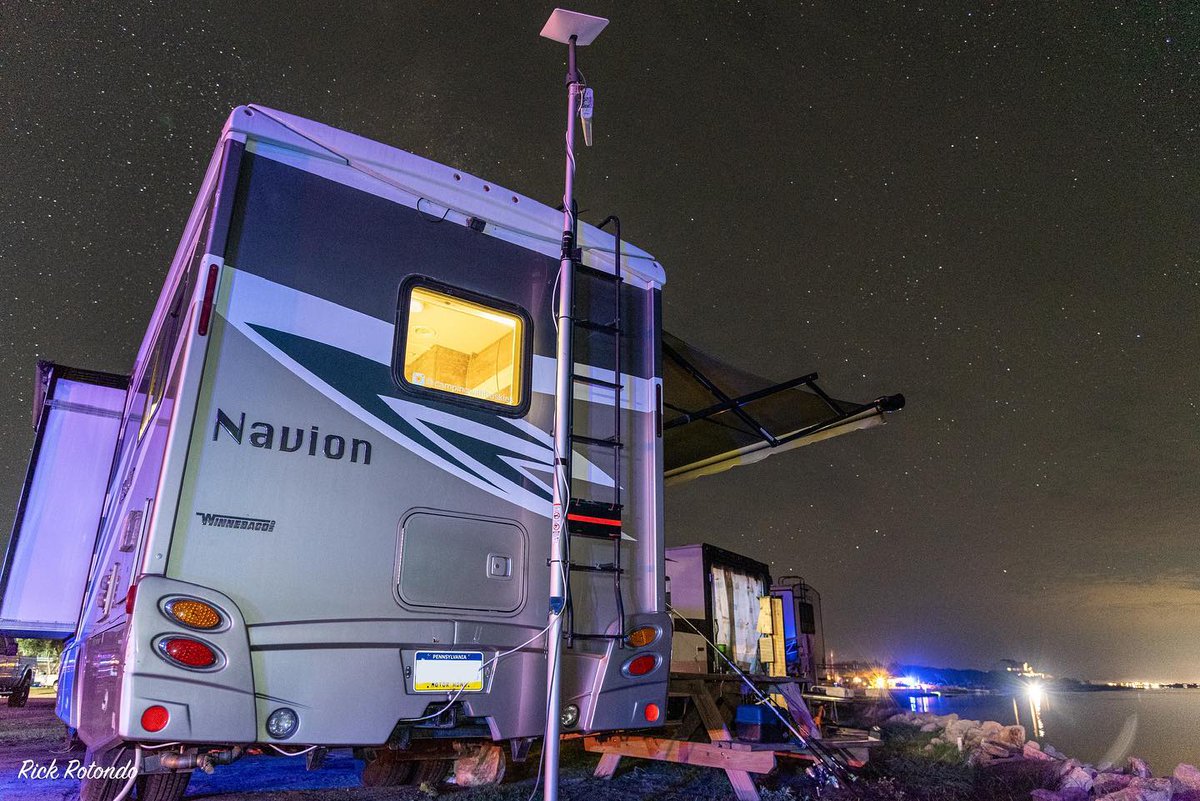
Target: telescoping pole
[
  {"x": 574, "y": 30},
  {"x": 562, "y": 445}
]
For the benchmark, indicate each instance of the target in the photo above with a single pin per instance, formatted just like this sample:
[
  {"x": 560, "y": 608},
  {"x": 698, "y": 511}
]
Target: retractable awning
[{"x": 717, "y": 416}]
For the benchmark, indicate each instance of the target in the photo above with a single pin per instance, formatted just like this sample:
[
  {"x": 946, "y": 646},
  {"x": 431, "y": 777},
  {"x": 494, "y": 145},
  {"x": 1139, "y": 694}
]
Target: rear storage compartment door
[{"x": 77, "y": 415}]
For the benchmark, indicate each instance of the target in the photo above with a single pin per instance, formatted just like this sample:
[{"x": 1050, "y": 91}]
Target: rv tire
[
  {"x": 382, "y": 769},
  {"x": 20, "y": 694},
  {"x": 162, "y": 786},
  {"x": 105, "y": 789},
  {"x": 431, "y": 772}
]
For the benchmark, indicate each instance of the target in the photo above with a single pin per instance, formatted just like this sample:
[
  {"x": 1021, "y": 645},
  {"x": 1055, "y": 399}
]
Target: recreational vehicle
[
  {"x": 332, "y": 460},
  {"x": 335, "y": 451}
]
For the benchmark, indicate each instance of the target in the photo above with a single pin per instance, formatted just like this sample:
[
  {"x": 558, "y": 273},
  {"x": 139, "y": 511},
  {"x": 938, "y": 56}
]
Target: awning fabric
[{"x": 717, "y": 416}]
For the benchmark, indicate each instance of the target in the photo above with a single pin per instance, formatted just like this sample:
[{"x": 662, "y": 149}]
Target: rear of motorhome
[{"x": 319, "y": 514}]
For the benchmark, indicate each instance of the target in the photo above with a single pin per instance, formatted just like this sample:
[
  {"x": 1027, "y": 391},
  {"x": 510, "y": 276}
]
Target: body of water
[{"x": 1156, "y": 725}]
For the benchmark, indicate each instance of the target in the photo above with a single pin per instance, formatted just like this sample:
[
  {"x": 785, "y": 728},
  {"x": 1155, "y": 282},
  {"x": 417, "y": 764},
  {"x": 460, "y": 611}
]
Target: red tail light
[
  {"x": 155, "y": 718},
  {"x": 641, "y": 665},
  {"x": 130, "y": 597},
  {"x": 188, "y": 652},
  {"x": 206, "y": 306},
  {"x": 652, "y": 713}
]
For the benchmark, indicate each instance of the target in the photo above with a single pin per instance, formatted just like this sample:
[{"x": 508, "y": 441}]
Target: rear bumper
[{"x": 350, "y": 683}]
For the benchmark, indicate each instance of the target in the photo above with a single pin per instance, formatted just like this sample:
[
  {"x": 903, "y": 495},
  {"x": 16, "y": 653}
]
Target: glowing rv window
[{"x": 463, "y": 347}]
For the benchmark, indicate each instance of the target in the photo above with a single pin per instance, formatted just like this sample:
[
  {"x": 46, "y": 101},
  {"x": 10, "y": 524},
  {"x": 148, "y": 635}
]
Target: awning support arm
[
  {"x": 738, "y": 402},
  {"x": 721, "y": 396}
]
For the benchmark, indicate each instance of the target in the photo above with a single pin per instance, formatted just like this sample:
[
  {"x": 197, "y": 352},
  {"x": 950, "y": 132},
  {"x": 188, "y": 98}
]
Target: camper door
[{"x": 77, "y": 414}]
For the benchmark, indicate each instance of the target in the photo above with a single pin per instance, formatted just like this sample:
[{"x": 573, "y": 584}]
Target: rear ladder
[{"x": 600, "y": 519}]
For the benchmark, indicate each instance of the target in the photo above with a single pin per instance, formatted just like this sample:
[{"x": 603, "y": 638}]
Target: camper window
[
  {"x": 154, "y": 378},
  {"x": 462, "y": 346}
]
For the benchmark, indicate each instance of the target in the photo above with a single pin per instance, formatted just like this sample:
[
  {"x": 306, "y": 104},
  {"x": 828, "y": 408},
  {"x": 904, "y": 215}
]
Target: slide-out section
[{"x": 77, "y": 414}]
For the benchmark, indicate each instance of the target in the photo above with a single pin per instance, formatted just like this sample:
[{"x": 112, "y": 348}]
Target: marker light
[
  {"x": 640, "y": 665},
  {"x": 155, "y": 718},
  {"x": 640, "y": 638},
  {"x": 652, "y": 713},
  {"x": 206, "y": 305},
  {"x": 282, "y": 723},
  {"x": 194, "y": 614},
  {"x": 187, "y": 652},
  {"x": 570, "y": 716}
]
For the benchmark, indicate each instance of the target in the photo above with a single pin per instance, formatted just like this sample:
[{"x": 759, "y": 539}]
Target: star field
[{"x": 992, "y": 209}]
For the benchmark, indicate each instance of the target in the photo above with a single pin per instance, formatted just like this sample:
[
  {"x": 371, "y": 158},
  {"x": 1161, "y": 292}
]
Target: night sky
[{"x": 993, "y": 210}]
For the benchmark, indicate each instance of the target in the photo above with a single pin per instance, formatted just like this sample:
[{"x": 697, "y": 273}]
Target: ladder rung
[
  {"x": 599, "y": 382},
  {"x": 599, "y": 636},
  {"x": 610, "y": 442},
  {"x": 597, "y": 568},
  {"x": 607, "y": 328},
  {"x": 595, "y": 273}
]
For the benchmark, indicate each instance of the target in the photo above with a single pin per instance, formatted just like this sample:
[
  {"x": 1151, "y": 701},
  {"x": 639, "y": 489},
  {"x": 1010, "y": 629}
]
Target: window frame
[{"x": 524, "y": 386}]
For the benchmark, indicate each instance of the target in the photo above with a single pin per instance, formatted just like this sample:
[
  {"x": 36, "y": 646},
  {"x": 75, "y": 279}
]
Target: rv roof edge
[{"x": 448, "y": 187}]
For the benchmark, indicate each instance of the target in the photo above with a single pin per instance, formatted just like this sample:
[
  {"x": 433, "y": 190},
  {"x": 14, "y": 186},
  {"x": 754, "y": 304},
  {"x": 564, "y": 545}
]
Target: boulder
[
  {"x": 1109, "y": 782},
  {"x": 1139, "y": 767},
  {"x": 1187, "y": 777},
  {"x": 929, "y": 727},
  {"x": 1045, "y": 795},
  {"x": 1134, "y": 794},
  {"x": 1152, "y": 785},
  {"x": 1032, "y": 751},
  {"x": 991, "y": 728},
  {"x": 1011, "y": 735},
  {"x": 1075, "y": 782}
]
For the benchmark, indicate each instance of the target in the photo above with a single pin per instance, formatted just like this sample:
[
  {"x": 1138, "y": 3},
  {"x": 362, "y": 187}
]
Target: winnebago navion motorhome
[{"x": 332, "y": 467}]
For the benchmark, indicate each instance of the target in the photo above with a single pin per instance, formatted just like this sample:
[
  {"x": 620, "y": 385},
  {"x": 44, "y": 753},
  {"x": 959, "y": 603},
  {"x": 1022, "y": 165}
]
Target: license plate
[{"x": 448, "y": 671}]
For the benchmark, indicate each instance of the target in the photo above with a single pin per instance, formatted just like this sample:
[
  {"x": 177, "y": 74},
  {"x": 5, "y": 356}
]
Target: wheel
[
  {"x": 102, "y": 789},
  {"x": 20, "y": 694},
  {"x": 162, "y": 786},
  {"x": 483, "y": 768},
  {"x": 384, "y": 770},
  {"x": 431, "y": 772}
]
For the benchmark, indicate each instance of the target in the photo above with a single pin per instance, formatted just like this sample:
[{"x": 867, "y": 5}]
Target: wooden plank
[
  {"x": 798, "y": 709},
  {"x": 609, "y": 762},
  {"x": 708, "y": 755},
  {"x": 743, "y": 785}
]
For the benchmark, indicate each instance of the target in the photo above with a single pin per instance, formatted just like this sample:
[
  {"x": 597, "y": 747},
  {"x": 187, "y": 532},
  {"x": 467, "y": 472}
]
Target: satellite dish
[{"x": 564, "y": 24}]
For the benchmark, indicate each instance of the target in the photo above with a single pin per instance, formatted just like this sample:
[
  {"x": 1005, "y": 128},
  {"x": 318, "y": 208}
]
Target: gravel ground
[{"x": 33, "y": 733}]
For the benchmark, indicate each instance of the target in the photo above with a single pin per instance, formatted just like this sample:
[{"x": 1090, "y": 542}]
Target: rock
[
  {"x": 1076, "y": 781},
  {"x": 1045, "y": 795},
  {"x": 991, "y": 728},
  {"x": 1151, "y": 785},
  {"x": 1139, "y": 767},
  {"x": 1011, "y": 735},
  {"x": 1187, "y": 777},
  {"x": 1031, "y": 751},
  {"x": 1107, "y": 782},
  {"x": 1134, "y": 794},
  {"x": 928, "y": 727},
  {"x": 1054, "y": 752}
]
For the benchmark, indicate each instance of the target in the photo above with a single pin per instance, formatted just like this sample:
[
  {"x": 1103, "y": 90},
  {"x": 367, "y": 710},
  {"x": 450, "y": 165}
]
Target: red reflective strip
[
  {"x": 130, "y": 597},
  {"x": 601, "y": 521},
  {"x": 206, "y": 306}
]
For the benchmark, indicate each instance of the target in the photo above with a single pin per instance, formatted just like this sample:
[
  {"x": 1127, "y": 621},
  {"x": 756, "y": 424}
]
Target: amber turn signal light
[
  {"x": 640, "y": 638},
  {"x": 194, "y": 614}
]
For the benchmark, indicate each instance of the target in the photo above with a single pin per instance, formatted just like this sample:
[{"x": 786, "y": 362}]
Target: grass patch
[{"x": 905, "y": 768}]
